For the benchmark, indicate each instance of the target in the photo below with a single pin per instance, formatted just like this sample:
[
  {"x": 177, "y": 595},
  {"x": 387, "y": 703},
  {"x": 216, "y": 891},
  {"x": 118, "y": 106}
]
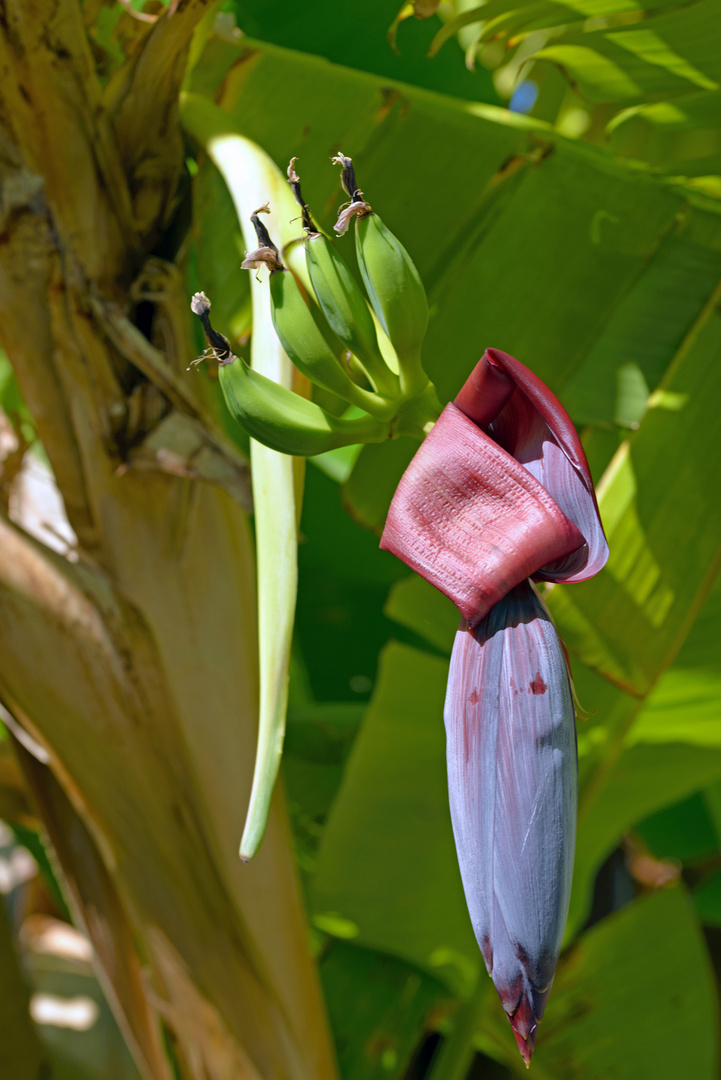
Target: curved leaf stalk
[{"x": 254, "y": 180}]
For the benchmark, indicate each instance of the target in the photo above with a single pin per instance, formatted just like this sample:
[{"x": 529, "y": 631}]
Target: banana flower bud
[{"x": 499, "y": 492}]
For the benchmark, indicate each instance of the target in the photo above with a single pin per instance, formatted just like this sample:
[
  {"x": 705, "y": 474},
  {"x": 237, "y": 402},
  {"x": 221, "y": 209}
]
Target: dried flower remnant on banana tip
[
  {"x": 393, "y": 286},
  {"x": 294, "y": 181},
  {"x": 499, "y": 492},
  {"x": 357, "y": 205},
  {"x": 266, "y": 254},
  {"x": 200, "y": 306},
  {"x": 345, "y": 308}
]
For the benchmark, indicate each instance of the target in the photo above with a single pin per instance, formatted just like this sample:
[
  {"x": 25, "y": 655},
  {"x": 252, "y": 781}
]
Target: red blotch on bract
[{"x": 537, "y": 685}]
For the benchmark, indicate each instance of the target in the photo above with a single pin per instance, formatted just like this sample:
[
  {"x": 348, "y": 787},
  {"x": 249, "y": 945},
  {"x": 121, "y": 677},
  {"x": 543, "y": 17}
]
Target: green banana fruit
[
  {"x": 345, "y": 308},
  {"x": 395, "y": 291},
  {"x": 284, "y": 421},
  {"x": 307, "y": 348}
]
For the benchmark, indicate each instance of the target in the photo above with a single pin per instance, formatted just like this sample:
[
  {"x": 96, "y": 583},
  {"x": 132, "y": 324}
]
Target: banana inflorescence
[{"x": 332, "y": 339}]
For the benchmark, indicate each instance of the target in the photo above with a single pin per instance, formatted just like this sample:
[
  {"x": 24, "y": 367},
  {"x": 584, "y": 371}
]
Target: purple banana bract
[
  {"x": 500, "y": 492},
  {"x": 512, "y": 785}
]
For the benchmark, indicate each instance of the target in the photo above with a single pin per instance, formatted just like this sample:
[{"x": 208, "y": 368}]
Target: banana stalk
[
  {"x": 396, "y": 294},
  {"x": 391, "y": 280},
  {"x": 305, "y": 345},
  {"x": 346, "y": 310}
]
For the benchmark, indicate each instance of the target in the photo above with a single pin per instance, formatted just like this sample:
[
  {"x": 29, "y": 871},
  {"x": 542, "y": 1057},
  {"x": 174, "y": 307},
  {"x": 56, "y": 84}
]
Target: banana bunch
[{"x": 334, "y": 341}]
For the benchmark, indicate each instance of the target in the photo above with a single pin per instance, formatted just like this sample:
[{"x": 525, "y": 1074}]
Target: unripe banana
[
  {"x": 345, "y": 308},
  {"x": 307, "y": 348},
  {"x": 285, "y": 421},
  {"x": 394, "y": 289}
]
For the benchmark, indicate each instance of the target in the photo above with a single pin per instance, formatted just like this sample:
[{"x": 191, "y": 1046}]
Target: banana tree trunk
[{"x": 131, "y": 658}]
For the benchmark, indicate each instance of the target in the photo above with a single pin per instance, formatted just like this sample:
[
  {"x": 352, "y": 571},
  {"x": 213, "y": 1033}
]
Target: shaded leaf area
[
  {"x": 341, "y": 630},
  {"x": 645, "y": 778},
  {"x": 685, "y": 706},
  {"x": 358, "y": 38},
  {"x": 663, "y": 536},
  {"x": 680, "y": 137},
  {"x": 377, "y": 1006},
  {"x": 632, "y": 351},
  {"x": 683, "y": 832},
  {"x": 344, "y": 580},
  {"x": 417, "y": 605},
  {"x": 400, "y": 887},
  {"x": 642, "y": 499}
]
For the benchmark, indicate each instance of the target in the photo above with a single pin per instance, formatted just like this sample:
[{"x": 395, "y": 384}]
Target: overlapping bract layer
[
  {"x": 512, "y": 784},
  {"x": 499, "y": 492}
]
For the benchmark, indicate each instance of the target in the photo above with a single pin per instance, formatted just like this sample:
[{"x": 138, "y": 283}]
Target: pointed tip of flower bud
[
  {"x": 525, "y": 1047},
  {"x": 524, "y": 1024}
]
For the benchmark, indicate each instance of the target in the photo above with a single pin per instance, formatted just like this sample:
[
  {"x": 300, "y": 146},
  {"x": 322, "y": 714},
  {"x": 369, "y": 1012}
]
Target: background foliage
[{"x": 581, "y": 232}]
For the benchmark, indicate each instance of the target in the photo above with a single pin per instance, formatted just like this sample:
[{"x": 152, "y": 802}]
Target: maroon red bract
[{"x": 467, "y": 514}]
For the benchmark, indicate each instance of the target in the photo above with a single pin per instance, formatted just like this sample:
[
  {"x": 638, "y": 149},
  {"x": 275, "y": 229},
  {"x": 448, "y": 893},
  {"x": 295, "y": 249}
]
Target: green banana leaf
[{"x": 671, "y": 54}]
